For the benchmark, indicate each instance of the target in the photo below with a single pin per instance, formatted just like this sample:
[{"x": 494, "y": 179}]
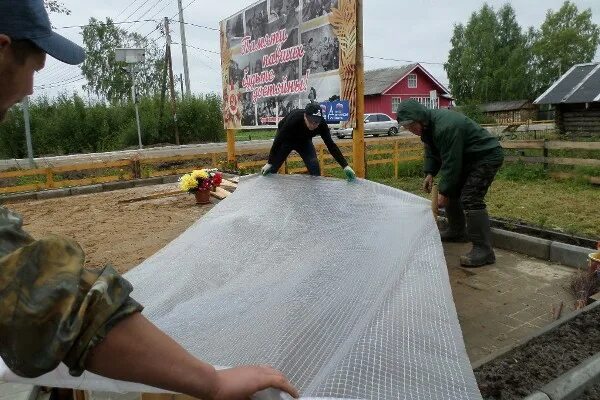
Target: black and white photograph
[
  {"x": 321, "y": 89},
  {"x": 256, "y": 20},
  {"x": 284, "y": 14},
  {"x": 267, "y": 111},
  {"x": 286, "y": 104},
  {"x": 236, "y": 69},
  {"x": 235, "y": 29},
  {"x": 321, "y": 50},
  {"x": 312, "y": 9},
  {"x": 248, "y": 110}
]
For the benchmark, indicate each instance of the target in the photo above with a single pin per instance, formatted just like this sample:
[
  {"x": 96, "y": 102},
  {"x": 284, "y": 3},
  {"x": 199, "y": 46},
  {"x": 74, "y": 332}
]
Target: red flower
[{"x": 217, "y": 179}]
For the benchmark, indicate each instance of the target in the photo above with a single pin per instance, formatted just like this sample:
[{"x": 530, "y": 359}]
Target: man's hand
[
  {"x": 266, "y": 170},
  {"x": 428, "y": 183},
  {"x": 442, "y": 201},
  {"x": 242, "y": 382},
  {"x": 350, "y": 175}
]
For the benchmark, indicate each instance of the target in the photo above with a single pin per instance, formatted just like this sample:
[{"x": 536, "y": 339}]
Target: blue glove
[
  {"x": 266, "y": 170},
  {"x": 350, "y": 175}
]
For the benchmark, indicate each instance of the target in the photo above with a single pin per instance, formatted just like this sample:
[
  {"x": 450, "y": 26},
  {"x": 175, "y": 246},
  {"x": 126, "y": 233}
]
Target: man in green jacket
[{"x": 466, "y": 157}]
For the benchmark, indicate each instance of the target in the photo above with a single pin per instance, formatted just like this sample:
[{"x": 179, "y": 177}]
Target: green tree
[
  {"x": 489, "y": 58},
  {"x": 110, "y": 79},
  {"x": 565, "y": 38},
  {"x": 57, "y": 7}
]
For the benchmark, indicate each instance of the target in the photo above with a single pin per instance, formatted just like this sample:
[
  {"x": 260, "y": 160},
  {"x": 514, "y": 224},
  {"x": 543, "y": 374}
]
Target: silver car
[{"x": 375, "y": 124}]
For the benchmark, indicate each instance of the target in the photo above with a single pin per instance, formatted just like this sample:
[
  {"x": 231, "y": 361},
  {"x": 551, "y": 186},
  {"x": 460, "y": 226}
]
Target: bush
[{"x": 68, "y": 125}]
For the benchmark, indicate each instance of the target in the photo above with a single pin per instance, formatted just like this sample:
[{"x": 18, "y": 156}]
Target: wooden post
[
  {"x": 358, "y": 136},
  {"x": 214, "y": 160},
  {"x": 322, "y": 159},
  {"x": 49, "y": 178},
  {"x": 545, "y": 154},
  {"x": 171, "y": 81},
  {"x": 231, "y": 145},
  {"x": 396, "y": 157}
]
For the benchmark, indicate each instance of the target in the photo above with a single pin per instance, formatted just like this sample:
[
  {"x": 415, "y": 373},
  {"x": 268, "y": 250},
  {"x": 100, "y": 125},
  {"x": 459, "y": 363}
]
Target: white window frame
[
  {"x": 412, "y": 81},
  {"x": 396, "y": 103},
  {"x": 428, "y": 102}
]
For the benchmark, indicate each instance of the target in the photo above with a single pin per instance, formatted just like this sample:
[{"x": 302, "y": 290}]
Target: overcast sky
[{"x": 419, "y": 30}]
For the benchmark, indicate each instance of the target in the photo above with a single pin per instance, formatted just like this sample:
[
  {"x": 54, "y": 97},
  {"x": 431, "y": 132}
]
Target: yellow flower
[
  {"x": 199, "y": 173},
  {"x": 187, "y": 182}
]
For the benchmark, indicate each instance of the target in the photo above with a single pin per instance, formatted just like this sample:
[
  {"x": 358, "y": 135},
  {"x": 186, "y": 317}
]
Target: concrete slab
[
  {"x": 500, "y": 304},
  {"x": 567, "y": 254}
]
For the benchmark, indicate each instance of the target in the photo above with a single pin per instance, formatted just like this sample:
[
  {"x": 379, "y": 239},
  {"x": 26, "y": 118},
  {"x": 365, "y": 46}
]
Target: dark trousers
[
  {"x": 305, "y": 149},
  {"x": 476, "y": 180}
]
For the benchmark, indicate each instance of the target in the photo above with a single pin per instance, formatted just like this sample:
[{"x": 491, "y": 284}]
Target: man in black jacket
[{"x": 295, "y": 132}]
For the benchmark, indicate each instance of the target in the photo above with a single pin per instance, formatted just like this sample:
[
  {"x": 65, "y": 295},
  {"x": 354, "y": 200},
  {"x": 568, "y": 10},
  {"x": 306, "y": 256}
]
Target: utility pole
[
  {"x": 135, "y": 103},
  {"x": 171, "y": 82},
  {"x": 186, "y": 68},
  {"x": 28, "y": 131},
  {"x": 181, "y": 81}
]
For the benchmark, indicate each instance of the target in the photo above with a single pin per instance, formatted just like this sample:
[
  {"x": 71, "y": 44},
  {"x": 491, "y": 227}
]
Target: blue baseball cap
[{"x": 28, "y": 19}]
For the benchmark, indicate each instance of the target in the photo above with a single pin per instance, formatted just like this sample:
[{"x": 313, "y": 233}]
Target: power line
[
  {"x": 198, "y": 59},
  {"x": 155, "y": 15},
  {"x": 199, "y": 48},
  {"x": 125, "y": 9},
  {"x": 137, "y": 9},
  {"x": 150, "y": 9},
  {"x": 63, "y": 83},
  {"x": 177, "y": 13},
  {"x": 405, "y": 61},
  {"x": 199, "y": 26},
  {"x": 114, "y": 23}
]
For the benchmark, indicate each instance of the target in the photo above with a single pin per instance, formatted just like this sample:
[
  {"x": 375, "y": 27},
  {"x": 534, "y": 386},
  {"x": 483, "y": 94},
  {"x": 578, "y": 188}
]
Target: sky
[{"x": 415, "y": 31}]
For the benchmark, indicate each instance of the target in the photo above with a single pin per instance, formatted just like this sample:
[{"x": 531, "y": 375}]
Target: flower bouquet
[{"x": 201, "y": 182}]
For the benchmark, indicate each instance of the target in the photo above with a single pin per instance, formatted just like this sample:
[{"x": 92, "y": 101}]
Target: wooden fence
[
  {"x": 382, "y": 151},
  {"x": 378, "y": 152},
  {"x": 545, "y": 147}
]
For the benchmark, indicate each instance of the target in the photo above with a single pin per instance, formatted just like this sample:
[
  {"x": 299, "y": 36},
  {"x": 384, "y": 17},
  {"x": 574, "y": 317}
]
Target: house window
[
  {"x": 412, "y": 81},
  {"x": 428, "y": 102},
  {"x": 395, "y": 104}
]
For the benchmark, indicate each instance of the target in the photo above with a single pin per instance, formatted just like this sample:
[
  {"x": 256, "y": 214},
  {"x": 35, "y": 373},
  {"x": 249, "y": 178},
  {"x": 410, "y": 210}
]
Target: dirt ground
[
  {"x": 120, "y": 234},
  {"x": 532, "y": 365}
]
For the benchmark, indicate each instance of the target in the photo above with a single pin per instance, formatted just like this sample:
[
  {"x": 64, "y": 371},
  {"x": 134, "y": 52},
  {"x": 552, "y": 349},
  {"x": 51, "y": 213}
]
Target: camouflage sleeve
[{"x": 52, "y": 309}]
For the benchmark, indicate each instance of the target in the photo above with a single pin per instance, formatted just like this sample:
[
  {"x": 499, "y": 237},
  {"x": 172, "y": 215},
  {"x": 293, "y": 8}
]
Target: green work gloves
[
  {"x": 266, "y": 170},
  {"x": 350, "y": 175}
]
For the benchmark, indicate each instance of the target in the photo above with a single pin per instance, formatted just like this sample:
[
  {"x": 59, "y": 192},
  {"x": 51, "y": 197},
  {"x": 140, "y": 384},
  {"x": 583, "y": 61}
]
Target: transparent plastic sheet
[{"x": 342, "y": 286}]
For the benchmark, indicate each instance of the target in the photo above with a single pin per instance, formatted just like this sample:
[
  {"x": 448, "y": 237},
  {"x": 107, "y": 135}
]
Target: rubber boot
[
  {"x": 455, "y": 232},
  {"x": 480, "y": 234}
]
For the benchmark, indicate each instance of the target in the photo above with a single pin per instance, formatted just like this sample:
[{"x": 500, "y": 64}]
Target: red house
[{"x": 385, "y": 88}]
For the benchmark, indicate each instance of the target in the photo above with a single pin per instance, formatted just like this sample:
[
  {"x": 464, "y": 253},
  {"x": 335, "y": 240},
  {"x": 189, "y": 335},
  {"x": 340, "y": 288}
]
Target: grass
[
  {"x": 252, "y": 134},
  {"x": 570, "y": 206}
]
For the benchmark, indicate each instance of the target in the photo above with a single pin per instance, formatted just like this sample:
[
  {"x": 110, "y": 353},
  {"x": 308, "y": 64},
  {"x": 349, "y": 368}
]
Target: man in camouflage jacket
[{"x": 54, "y": 310}]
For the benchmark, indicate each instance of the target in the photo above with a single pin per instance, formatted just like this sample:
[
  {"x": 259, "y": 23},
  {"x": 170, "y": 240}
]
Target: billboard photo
[{"x": 277, "y": 55}]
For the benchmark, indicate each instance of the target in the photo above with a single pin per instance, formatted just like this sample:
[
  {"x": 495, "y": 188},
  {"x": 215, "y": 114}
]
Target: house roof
[
  {"x": 504, "y": 105},
  {"x": 580, "y": 84},
  {"x": 379, "y": 81}
]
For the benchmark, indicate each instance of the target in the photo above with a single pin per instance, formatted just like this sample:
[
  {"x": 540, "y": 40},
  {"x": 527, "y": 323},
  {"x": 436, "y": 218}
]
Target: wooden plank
[
  {"x": 557, "y": 145},
  {"x": 93, "y": 165},
  {"x": 384, "y": 161},
  {"x": 220, "y": 193},
  {"x": 153, "y": 196},
  {"x": 574, "y": 161},
  {"x": 23, "y": 172},
  {"x": 23, "y": 188},
  {"x": 595, "y": 180},
  {"x": 247, "y": 164},
  {"x": 227, "y": 182},
  {"x": 525, "y": 159},
  {"x": 379, "y": 152},
  {"x": 88, "y": 181},
  {"x": 522, "y": 144},
  {"x": 296, "y": 170},
  {"x": 179, "y": 158}
]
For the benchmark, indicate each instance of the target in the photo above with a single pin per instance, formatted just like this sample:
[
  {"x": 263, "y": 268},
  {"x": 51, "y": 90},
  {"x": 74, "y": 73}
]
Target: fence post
[
  {"x": 214, "y": 160},
  {"x": 396, "y": 157},
  {"x": 322, "y": 159},
  {"x": 49, "y": 178},
  {"x": 136, "y": 168},
  {"x": 545, "y": 154}
]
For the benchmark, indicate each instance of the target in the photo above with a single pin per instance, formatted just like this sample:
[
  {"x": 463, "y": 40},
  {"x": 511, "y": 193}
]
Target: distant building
[
  {"x": 575, "y": 98},
  {"x": 506, "y": 112},
  {"x": 386, "y": 88}
]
